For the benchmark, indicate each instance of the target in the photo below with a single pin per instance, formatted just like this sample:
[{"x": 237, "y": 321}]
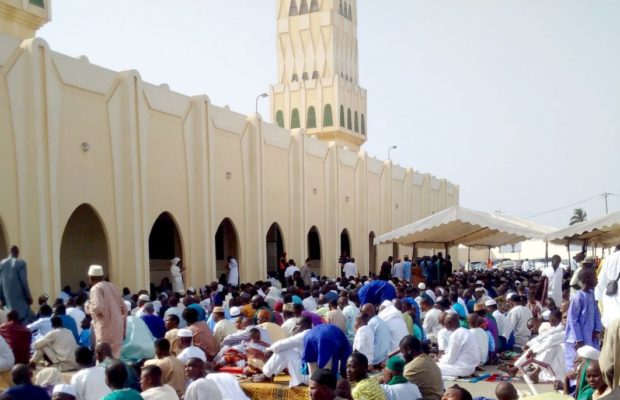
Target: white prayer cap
[
  {"x": 517, "y": 283},
  {"x": 235, "y": 312},
  {"x": 479, "y": 289},
  {"x": 184, "y": 333},
  {"x": 490, "y": 303},
  {"x": 588, "y": 352},
  {"x": 66, "y": 389},
  {"x": 479, "y": 283},
  {"x": 439, "y": 299},
  {"x": 128, "y": 305},
  {"x": 546, "y": 314},
  {"x": 422, "y": 286},
  {"x": 95, "y": 270},
  {"x": 191, "y": 290},
  {"x": 144, "y": 297}
]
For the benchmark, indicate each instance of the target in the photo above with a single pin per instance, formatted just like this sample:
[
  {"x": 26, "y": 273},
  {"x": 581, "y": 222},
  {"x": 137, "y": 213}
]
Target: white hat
[
  {"x": 95, "y": 270},
  {"x": 235, "y": 312},
  {"x": 546, "y": 314},
  {"x": 144, "y": 297},
  {"x": 479, "y": 289},
  {"x": 588, "y": 352},
  {"x": 184, "y": 333},
  {"x": 422, "y": 286},
  {"x": 490, "y": 303},
  {"x": 128, "y": 305},
  {"x": 479, "y": 283},
  {"x": 66, "y": 389},
  {"x": 439, "y": 299},
  {"x": 191, "y": 290}
]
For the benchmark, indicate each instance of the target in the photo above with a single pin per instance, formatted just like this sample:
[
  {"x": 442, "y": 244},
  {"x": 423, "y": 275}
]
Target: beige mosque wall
[{"x": 99, "y": 166}]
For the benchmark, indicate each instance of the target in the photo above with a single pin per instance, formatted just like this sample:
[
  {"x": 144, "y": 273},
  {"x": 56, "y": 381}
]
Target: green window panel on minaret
[
  {"x": 280, "y": 118},
  {"x": 311, "y": 119},
  {"x": 295, "y": 118},
  {"x": 349, "y": 119},
  {"x": 342, "y": 116},
  {"x": 38, "y": 3},
  {"x": 355, "y": 123},
  {"x": 363, "y": 125},
  {"x": 328, "y": 120}
]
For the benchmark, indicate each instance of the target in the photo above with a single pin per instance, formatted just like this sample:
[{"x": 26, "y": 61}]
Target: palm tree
[{"x": 578, "y": 216}]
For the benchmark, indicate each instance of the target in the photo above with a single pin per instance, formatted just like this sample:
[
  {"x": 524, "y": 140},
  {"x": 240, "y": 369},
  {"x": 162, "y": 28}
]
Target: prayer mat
[{"x": 275, "y": 391}]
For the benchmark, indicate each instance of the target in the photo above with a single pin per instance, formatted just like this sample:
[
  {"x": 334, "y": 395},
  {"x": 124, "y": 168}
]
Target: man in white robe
[
  {"x": 504, "y": 327},
  {"x": 58, "y": 346},
  {"x": 233, "y": 271},
  {"x": 547, "y": 348},
  {"x": 176, "y": 276},
  {"x": 395, "y": 321},
  {"x": 554, "y": 274},
  {"x": 430, "y": 324},
  {"x": 287, "y": 354},
  {"x": 482, "y": 340},
  {"x": 350, "y": 269},
  {"x": 461, "y": 356},
  {"x": 364, "y": 340},
  {"x": 609, "y": 272},
  {"x": 518, "y": 316},
  {"x": 200, "y": 387}
]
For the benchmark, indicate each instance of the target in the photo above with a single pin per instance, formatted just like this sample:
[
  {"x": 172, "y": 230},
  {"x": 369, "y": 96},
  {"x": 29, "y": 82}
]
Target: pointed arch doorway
[
  {"x": 275, "y": 247},
  {"x": 165, "y": 243},
  {"x": 314, "y": 250},
  {"x": 84, "y": 242},
  {"x": 372, "y": 253},
  {"x": 226, "y": 245},
  {"x": 4, "y": 242}
]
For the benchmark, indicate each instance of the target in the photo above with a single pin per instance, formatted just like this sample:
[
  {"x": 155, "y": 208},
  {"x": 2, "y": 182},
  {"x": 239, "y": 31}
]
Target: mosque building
[{"x": 100, "y": 167}]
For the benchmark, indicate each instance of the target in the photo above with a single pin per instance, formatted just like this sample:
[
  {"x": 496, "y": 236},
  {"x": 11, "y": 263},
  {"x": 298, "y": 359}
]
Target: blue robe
[
  {"x": 14, "y": 290},
  {"x": 327, "y": 342},
  {"x": 376, "y": 292},
  {"x": 583, "y": 320}
]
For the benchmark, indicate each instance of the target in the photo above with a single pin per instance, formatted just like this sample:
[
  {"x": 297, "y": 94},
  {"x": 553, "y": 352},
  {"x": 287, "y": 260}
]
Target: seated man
[
  {"x": 152, "y": 386},
  {"x": 58, "y": 347},
  {"x": 287, "y": 354},
  {"x": 186, "y": 348},
  {"x": 89, "y": 381},
  {"x": 357, "y": 373},
  {"x": 396, "y": 386},
  {"x": 461, "y": 356},
  {"x": 275, "y": 331},
  {"x": 200, "y": 387},
  {"x": 173, "y": 369},
  {"x": 203, "y": 337},
  {"x": 116, "y": 379},
  {"x": 421, "y": 369},
  {"x": 322, "y": 385},
  {"x": 24, "y": 389},
  {"x": 153, "y": 321}
]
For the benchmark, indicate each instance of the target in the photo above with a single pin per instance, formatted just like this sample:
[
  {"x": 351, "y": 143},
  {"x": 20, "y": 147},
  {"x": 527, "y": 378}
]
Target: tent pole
[
  {"x": 546, "y": 253},
  {"x": 468, "y": 259},
  {"x": 568, "y": 250},
  {"x": 446, "y": 255}
]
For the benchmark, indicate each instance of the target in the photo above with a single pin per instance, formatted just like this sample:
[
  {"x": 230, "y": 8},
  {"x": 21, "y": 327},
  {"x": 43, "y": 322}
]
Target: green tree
[{"x": 578, "y": 216}]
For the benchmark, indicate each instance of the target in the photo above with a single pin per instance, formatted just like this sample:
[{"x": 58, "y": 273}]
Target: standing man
[
  {"x": 421, "y": 369},
  {"x": 233, "y": 272},
  {"x": 397, "y": 269},
  {"x": 607, "y": 291},
  {"x": 386, "y": 270},
  {"x": 176, "y": 276},
  {"x": 407, "y": 269},
  {"x": 350, "y": 269},
  {"x": 554, "y": 275},
  {"x": 108, "y": 311},
  {"x": 305, "y": 274},
  {"x": 14, "y": 290}
]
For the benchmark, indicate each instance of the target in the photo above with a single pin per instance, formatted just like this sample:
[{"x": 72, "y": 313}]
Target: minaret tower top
[
  {"x": 22, "y": 18},
  {"x": 318, "y": 87}
]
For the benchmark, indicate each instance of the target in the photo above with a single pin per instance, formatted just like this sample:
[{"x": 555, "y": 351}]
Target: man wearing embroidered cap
[
  {"x": 396, "y": 386},
  {"x": 107, "y": 310}
]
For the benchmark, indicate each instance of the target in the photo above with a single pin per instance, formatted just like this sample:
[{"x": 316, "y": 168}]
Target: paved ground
[{"x": 487, "y": 389}]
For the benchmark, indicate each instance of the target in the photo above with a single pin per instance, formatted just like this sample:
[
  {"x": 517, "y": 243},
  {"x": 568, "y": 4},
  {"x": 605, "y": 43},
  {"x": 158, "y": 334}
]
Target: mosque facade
[{"x": 100, "y": 167}]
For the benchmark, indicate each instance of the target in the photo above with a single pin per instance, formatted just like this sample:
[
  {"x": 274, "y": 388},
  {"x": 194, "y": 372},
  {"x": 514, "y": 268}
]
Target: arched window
[
  {"x": 363, "y": 125},
  {"x": 280, "y": 118},
  {"x": 355, "y": 123},
  {"x": 303, "y": 8},
  {"x": 350, "y": 13},
  {"x": 304, "y": 76},
  {"x": 328, "y": 120},
  {"x": 349, "y": 119},
  {"x": 311, "y": 119},
  {"x": 315, "y": 75},
  {"x": 344, "y": 10},
  {"x": 314, "y": 6},
  {"x": 342, "y": 116},
  {"x": 292, "y": 11},
  {"x": 340, "y": 8},
  {"x": 295, "y": 78},
  {"x": 295, "y": 118}
]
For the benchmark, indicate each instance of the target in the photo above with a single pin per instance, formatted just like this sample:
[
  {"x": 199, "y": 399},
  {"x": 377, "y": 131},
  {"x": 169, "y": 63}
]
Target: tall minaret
[
  {"x": 318, "y": 81},
  {"x": 22, "y": 18}
]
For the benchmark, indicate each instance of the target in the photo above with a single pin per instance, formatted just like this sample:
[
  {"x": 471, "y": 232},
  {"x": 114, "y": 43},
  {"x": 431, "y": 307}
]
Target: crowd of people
[{"x": 397, "y": 335}]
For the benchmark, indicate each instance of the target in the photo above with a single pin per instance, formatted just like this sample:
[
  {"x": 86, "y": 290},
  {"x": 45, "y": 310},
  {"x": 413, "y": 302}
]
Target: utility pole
[{"x": 605, "y": 195}]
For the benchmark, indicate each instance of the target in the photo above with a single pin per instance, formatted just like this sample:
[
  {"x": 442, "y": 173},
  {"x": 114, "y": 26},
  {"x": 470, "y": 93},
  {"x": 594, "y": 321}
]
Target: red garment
[{"x": 19, "y": 339}]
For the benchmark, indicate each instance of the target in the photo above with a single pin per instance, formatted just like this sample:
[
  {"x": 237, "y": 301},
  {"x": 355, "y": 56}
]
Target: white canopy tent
[
  {"x": 603, "y": 231},
  {"x": 459, "y": 225}
]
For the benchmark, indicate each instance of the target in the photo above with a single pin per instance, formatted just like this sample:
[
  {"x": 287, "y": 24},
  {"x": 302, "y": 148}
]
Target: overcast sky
[{"x": 518, "y": 102}]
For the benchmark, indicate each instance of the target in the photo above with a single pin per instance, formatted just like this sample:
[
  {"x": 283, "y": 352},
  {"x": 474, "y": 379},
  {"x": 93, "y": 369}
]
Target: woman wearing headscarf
[{"x": 176, "y": 276}]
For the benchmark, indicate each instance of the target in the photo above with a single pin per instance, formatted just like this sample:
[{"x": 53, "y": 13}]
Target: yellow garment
[
  {"x": 275, "y": 391},
  {"x": 609, "y": 360},
  {"x": 549, "y": 396},
  {"x": 368, "y": 389}
]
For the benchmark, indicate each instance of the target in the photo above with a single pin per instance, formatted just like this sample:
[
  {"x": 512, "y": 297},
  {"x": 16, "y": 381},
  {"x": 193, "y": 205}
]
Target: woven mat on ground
[{"x": 275, "y": 391}]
